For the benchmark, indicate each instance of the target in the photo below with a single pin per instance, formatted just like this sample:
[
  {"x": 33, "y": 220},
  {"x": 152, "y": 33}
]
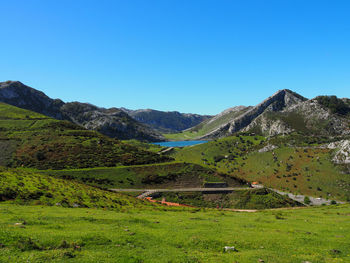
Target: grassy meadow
[{"x": 57, "y": 234}]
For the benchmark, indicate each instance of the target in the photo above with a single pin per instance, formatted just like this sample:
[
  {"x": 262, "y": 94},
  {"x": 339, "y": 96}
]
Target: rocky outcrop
[
  {"x": 342, "y": 151},
  {"x": 111, "y": 122}
]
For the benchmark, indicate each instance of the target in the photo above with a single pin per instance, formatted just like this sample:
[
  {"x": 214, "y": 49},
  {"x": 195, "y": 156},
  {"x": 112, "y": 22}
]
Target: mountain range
[
  {"x": 145, "y": 125},
  {"x": 282, "y": 113}
]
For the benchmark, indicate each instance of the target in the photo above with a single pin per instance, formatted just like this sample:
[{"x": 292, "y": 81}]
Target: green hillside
[
  {"x": 24, "y": 187},
  {"x": 297, "y": 165},
  {"x": 33, "y": 140},
  {"x": 167, "y": 175}
]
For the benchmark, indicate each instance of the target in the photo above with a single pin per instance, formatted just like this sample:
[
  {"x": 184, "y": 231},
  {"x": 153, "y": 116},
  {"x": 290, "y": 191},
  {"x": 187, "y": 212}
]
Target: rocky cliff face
[
  {"x": 111, "y": 122},
  {"x": 167, "y": 122}
]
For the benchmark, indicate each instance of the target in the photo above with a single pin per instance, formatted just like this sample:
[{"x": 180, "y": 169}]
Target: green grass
[
  {"x": 55, "y": 234},
  {"x": 241, "y": 199},
  {"x": 165, "y": 175},
  {"x": 33, "y": 140}
]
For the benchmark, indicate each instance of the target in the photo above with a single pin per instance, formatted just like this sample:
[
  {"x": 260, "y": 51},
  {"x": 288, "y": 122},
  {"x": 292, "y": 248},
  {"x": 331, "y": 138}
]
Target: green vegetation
[
  {"x": 334, "y": 104},
  {"x": 296, "y": 169},
  {"x": 298, "y": 165},
  {"x": 144, "y": 145},
  {"x": 56, "y": 234},
  {"x": 34, "y": 140},
  {"x": 25, "y": 187},
  {"x": 210, "y": 154},
  {"x": 241, "y": 199},
  {"x": 146, "y": 176}
]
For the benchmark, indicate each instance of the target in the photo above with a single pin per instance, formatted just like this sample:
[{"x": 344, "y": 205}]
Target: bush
[
  {"x": 218, "y": 158},
  {"x": 334, "y": 104},
  {"x": 307, "y": 200}
]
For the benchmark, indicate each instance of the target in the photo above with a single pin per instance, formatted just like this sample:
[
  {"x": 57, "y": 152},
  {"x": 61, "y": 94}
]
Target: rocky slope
[
  {"x": 111, "y": 122},
  {"x": 283, "y": 113},
  {"x": 166, "y": 121}
]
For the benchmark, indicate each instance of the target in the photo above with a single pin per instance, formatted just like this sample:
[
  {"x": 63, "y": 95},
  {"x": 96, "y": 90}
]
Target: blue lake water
[{"x": 179, "y": 143}]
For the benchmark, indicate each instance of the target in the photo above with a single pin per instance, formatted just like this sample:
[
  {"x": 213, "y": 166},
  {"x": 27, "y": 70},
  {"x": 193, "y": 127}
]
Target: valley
[{"x": 284, "y": 172}]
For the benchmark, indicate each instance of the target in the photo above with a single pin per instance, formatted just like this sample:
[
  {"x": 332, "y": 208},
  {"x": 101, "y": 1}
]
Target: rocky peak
[{"x": 279, "y": 101}]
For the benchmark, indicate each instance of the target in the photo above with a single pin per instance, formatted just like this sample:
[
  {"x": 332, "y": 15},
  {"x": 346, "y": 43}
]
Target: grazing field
[{"x": 56, "y": 234}]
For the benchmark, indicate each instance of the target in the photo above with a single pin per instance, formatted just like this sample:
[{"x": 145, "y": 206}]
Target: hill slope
[
  {"x": 33, "y": 140},
  {"x": 32, "y": 188},
  {"x": 294, "y": 163},
  {"x": 111, "y": 122},
  {"x": 166, "y": 175}
]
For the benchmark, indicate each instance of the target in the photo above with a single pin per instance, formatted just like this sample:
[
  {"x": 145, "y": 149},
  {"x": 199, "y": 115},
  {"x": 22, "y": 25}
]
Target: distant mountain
[
  {"x": 166, "y": 121},
  {"x": 111, "y": 122},
  {"x": 282, "y": 113}
]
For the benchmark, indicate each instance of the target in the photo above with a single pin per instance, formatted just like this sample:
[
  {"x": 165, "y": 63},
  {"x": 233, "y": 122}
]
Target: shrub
[{"x": 307, "y": 200}]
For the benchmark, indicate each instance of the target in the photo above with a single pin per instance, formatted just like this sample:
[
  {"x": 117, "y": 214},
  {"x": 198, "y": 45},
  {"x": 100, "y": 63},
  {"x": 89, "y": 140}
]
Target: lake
[{"x": 179, "y": 143}]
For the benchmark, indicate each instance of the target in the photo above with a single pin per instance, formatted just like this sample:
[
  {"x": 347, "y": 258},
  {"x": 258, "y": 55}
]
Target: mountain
[
  {"x": 166, "y": 121},
  {"x": 111, "y": 122},
  {"x": 31, "y": 139},
  {"x": 282, "y": 113}
]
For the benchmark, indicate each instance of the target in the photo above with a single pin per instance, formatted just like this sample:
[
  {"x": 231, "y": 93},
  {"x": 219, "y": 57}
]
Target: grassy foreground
[{"x": 57, "y": 234}]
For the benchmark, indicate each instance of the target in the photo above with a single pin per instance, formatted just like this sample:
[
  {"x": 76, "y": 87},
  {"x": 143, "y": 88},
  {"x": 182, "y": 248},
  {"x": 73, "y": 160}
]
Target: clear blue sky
[{"x": 190, "y": 56}]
